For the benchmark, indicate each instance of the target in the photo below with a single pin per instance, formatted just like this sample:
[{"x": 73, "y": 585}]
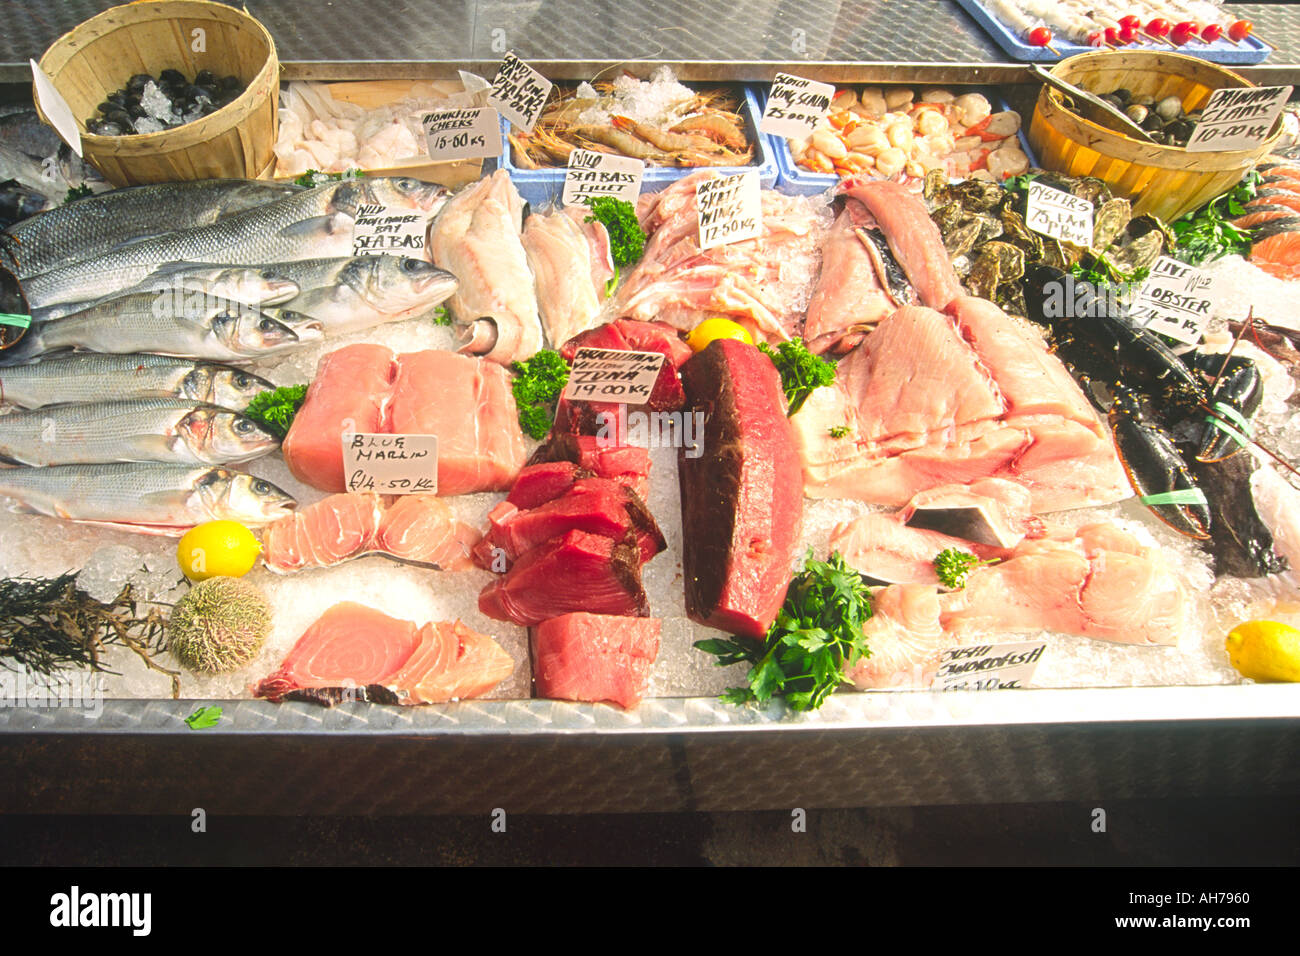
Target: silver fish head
[
  {"x": 218, "y": 436},
  {"x": 253, "y": 286},
  {"x": 191, "y": 288},
  {"x": 396, "y": 284},
  {"x": 224, "y": 386},
  {"x": 404, "y": 192},
  {"x": 251, "y": 332},
  {"x": 235, "y": 496},
  {"x": 307, "y": 329}
]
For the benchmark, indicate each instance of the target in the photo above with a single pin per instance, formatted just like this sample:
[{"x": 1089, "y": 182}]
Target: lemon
[
  {"x": 217, "y": 548},
  {"x": 1265, "y": 651},
  {"x": 716, "y": 328}
]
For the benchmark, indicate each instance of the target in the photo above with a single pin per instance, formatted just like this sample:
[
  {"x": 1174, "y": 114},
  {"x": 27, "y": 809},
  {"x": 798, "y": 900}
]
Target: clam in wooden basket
[
  {"x": 1165, "y": 181},
  {"x": 100, "y": 55}
]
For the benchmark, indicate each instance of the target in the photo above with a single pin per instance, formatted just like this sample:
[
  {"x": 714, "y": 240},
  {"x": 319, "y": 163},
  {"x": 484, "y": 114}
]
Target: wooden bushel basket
[
  {"x": 1166, "y": 181},
  {"x": 100, "y": 55}
]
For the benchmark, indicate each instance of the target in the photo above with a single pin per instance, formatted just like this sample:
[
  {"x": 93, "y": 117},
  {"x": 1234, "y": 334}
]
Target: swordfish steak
[
  {"x": 352, "y": 645},
  {"x": 742, "y": 498}
]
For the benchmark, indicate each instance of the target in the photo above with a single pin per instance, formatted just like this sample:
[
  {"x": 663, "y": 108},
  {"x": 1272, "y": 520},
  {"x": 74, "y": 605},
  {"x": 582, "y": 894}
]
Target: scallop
[
  {"x": 844, "y": 100},
  {"x": 871, "y": 103},
  {"x": 936, "y": 95},
  {"x": 829, "y": 144},
  {"x": 931, "y": 122},
  {"x": 1007, "y": 161},
  {"x": 972, "y": 108},
  {"x": 897, "y": 97},
  {"x": 890, "y": 162},
  {"x": 1006, "y": 123},
  {"x": 965, "y": 144},
  {"x": 901, "y": 136},
  {"x": 867, "y": 137},
  {"x": 940, "y": 144}
]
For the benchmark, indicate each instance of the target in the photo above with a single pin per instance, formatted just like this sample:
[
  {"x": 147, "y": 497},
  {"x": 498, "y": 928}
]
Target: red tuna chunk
[{"x": 594, "y": 657}]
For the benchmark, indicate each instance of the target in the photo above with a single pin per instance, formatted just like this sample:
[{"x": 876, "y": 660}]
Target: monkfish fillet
[{"x": 477, "y": 239}]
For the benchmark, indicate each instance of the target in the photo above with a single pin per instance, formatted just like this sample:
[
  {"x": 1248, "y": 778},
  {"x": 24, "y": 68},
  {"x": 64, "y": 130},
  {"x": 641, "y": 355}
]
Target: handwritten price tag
[
  {"x": 1237, "y": 118},
  {"x": 795, "y": 105},
  {"x": 1176, "y": 300},
  {"x": 1060, "y": 215},
  {"x": 988, "y": 667},
  {"x": 462, "y": 134},
  {"x": 379, "y": 232},
  {"x": 731, "y": 209},
  {"x": 391, "y": 464},
  {"x": 519, "y": 92},
  {"x": 612, "y": 375},
  {"x": 601, "y": 174}
]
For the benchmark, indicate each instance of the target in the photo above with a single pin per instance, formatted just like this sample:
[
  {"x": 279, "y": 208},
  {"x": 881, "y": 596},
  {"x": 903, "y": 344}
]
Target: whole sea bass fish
[
  {"x": 147, "y": 429},
  {"x": 314, "y": 223},
  {"x": 182, "y": 285},
  {"x": 89, "y": 227},
  {"x": 163, "y": 499},
  {"x": 134, "y": 323},
  {"x": 348, "y": 295},
  {"x": 91, "y": 377}
]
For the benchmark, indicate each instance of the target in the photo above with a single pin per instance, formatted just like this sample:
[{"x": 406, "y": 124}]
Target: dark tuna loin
[{"x": 742, "y": 498}]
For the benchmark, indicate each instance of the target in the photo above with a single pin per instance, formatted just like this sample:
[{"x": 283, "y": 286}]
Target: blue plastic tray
[
  {"x": 546, "y": 186},
  {"x": 1249, "y": 50},
  {"x": 794, "y": 180}
]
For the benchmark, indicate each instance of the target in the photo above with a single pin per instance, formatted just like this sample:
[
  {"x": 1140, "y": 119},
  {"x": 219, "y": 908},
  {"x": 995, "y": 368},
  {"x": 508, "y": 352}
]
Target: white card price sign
[
  {"x": 795, "y": 105},
  {"x": 612, "y": 375},
  {"x": 462, "y": 134},
  {"x": 519, "y": 92},
  {"x": 377, "y": 231},
  {"x": 1237, "y": 118},
  {"x": 1059, "y": 215},
  {"x": 601, "y": 174},
  {"x": 1176, "y": 300},
  {"x": 731, "y": 209},
  {"x": 988, "y": 666},
  {"x": 391, "y": 464},
  {"x": 56, "y": 109}
]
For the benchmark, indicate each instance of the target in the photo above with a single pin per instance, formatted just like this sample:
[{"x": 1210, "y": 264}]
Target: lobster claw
[
  {"x": 1156, "y": 470},
  {"x": 1238, "y": 392}
]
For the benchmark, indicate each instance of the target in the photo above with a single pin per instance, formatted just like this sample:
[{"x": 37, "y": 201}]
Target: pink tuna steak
[
  {"x": 577, "y": 572},
  {"x": 451, "y": 662},
  {"x": 742, "y": 498},
  {"x": 593, "y": 657}
]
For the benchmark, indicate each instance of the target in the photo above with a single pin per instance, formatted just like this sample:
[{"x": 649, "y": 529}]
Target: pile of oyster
[{"x": 984, "y": 232}]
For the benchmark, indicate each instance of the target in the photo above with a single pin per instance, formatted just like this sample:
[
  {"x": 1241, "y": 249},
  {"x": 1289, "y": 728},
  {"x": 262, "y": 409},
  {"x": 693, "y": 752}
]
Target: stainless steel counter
[{"x": 915, "y": 41}]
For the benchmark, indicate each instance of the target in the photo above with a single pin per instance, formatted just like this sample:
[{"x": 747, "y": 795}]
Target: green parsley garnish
[
  {"x": 275, "y": 410},
  {"x": 839, "y": 431},
  {"x": 1206, "y": 234},
  {"x": 626, "y": 237},
  {"x": 537, "y": 387},
  {"x": 801, "y": 370},
  {"x": 442, "y": 315},
  {"x": 816, "y": 635},
  {"x": 203, "y": 718},
  {"x": 78, "y": 192},
  {"x": 952, "y": 565}
]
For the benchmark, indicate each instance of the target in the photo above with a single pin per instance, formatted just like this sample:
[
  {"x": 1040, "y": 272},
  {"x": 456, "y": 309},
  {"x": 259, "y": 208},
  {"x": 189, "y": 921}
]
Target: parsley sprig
[
  {"x": 816, "y": 635},
  {"x": 953, "y": 565},
  {"x": 801, "y": 370},
  {"x": 1206, "y": 234}
]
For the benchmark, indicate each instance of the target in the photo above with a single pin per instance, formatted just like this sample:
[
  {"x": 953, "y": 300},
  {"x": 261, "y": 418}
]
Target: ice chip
[{"x": 107, "y": 571}]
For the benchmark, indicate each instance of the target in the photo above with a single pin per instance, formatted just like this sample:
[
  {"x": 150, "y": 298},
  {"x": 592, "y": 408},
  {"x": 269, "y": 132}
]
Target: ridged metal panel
[
  {"x": 841, "y": 40},
  {"x": 673, "y": 754}
]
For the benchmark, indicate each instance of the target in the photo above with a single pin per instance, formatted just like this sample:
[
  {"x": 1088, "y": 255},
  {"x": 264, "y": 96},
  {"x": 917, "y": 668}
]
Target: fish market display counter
[
  {"x": 865, "y": 41},
  {"x": 877, "y": 749},
  {"x": 672, "y": 753}
]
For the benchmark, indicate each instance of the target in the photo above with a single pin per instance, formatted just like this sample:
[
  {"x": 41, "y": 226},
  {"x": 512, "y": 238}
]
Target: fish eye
[
  {"x": 244, "y": 426},
  {"x": 261, "y": 487},
  {"x": 242, "y": 380},
  {"x": 267, "y": 325},
  {"x": 267, "y": 274},
  {"x": 408, "y": 185}
]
